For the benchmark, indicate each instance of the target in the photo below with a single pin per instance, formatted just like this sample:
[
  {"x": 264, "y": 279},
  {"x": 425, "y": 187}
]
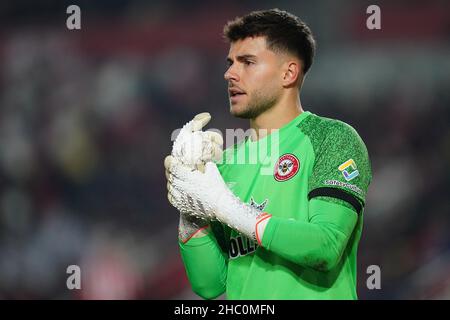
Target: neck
[{"x": 276, "y": 117}]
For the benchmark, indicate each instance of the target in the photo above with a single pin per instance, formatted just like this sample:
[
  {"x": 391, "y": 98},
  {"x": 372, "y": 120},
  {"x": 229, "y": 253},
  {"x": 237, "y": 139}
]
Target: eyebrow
[{"x": 242, "y": 57}]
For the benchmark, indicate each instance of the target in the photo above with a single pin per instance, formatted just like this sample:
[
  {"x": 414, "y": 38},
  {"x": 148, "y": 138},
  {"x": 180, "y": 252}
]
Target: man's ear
[{"x": 292, "y": 73}]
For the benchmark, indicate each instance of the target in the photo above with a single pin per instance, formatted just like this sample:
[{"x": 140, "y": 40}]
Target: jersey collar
[{"x": 293, "y": 123}]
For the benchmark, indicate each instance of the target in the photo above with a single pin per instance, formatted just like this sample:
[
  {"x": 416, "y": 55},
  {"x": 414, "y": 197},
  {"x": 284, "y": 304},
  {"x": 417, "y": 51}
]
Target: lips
[
  {"x": 235, "y": 94},
  {"x": 234, "y": 91}
]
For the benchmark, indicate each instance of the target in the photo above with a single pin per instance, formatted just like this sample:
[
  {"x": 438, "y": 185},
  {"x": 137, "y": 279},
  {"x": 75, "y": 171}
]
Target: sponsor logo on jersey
[
  {"x": 286, "y": 167},
  {"x": 348, "y": 169},
  {"x": 257, "y": 206},
  {"x": 344, "y": 185},
  {"x": 241, "y": 246}
]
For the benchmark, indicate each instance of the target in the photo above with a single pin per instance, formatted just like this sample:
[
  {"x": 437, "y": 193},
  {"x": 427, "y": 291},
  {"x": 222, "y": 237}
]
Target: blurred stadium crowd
[{"x": 86, "y": 119}]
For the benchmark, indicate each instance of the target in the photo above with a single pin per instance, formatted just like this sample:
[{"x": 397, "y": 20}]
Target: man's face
[{"x": 254, "y": 77}]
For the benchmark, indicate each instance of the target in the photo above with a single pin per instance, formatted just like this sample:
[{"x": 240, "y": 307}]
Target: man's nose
[{"x": 231, "y": 74}]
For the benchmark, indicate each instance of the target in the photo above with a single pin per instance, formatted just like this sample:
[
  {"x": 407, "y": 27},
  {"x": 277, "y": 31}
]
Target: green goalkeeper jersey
[{"x": 312, "y": 176}]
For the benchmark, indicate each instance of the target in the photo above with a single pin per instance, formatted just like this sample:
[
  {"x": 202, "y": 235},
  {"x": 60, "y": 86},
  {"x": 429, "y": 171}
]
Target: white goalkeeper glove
[
  {"x": 208, "y": 197},
  {"x": 193, "y": 148}
]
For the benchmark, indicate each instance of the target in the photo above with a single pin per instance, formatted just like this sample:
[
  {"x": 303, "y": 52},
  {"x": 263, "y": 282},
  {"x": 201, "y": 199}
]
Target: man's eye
[{"x": 247, "y": 63}]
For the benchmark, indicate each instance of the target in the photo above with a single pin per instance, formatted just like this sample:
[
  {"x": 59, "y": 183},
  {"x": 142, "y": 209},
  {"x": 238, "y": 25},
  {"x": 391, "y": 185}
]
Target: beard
[{"x": 258, "y": 104}]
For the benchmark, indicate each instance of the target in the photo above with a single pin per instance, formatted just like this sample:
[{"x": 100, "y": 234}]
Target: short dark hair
[{"x": 283, "y": 31}]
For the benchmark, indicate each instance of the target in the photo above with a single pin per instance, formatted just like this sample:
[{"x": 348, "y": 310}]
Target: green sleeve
[
  {"x": 318, "y": 243},
  {"x": 206, "y": 265},
  {"x": 342, "y": 170}
]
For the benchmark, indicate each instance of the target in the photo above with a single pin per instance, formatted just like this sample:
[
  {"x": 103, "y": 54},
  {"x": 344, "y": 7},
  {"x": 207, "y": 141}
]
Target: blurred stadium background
[{"x": 86, "y": 119}]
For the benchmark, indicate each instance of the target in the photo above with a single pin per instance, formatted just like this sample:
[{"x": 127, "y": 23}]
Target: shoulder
[
  {"x": 325, "y": 132},
  {"x": 341, "y": 158}
]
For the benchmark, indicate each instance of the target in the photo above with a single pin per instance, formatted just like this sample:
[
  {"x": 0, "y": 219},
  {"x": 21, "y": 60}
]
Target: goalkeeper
[{"x": 292, "y": 234}]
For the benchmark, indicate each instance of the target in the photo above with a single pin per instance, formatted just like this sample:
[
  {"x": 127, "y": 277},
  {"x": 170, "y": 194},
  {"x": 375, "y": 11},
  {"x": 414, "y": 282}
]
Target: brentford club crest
[{"x": 287, "y": 167}]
